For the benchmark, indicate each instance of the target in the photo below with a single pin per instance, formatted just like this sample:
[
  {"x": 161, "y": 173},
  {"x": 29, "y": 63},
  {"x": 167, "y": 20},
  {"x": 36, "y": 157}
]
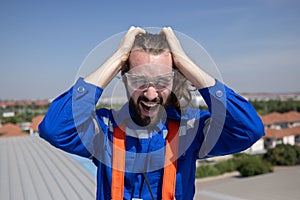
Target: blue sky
[{"x": 255, "y": 44}]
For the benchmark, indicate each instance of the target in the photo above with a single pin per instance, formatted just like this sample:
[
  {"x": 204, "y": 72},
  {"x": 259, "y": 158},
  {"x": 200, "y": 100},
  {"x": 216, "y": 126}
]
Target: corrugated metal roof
[{"x": 30, "y": 168}]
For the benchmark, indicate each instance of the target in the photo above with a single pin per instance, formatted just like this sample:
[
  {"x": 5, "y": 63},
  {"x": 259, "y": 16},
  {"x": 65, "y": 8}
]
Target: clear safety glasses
[{"x": 161, "y": 82}]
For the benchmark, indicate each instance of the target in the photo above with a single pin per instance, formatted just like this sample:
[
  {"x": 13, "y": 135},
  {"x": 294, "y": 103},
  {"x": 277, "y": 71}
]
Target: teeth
[{"x": 149, "y": 105}]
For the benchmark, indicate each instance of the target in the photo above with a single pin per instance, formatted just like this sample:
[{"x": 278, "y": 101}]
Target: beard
[{"x": 140, "y": 106}]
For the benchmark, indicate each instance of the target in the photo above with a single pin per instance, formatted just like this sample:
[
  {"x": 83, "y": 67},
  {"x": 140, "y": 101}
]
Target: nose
[{"x": 151, "y": 93}]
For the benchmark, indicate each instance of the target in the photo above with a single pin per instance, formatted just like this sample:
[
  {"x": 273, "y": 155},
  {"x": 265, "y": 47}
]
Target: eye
[
  {"x": 142, "y": 84},
  {"x": 138, "y": 82},
  {"x": 163, "y": 83}
]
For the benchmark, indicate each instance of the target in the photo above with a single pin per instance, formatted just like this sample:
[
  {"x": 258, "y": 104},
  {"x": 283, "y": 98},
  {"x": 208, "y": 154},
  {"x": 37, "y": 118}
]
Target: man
[{"x": 148, "y": 149}]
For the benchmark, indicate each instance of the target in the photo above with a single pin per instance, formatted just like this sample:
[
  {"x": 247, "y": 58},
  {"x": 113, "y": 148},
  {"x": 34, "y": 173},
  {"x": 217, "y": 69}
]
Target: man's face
[{"x": 149, "y": 84}]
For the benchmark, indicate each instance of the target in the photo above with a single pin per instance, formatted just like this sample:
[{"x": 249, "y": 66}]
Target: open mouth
[{"x": 149, "y": 108}]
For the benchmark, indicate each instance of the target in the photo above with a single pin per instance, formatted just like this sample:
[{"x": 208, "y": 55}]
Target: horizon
[
  {"x": 254, "y": 44},
  {"x": 117, "y": 97}
]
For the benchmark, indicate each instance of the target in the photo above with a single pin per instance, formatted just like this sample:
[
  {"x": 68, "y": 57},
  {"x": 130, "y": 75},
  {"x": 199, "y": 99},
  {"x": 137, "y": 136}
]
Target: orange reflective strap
[
  {"x": 169, "y": 179},
  {"x": 117, "y": 181},
  {"x": 170, "y": 163}
]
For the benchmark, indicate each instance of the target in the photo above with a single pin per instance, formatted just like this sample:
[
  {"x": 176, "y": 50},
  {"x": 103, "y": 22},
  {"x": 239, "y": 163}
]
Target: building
[
  {"x": 11, "y": 130},
  {"x": 281, "y": 128},
  {"x": 10, "y": 108},
  {"x": 272, "y": 96}
]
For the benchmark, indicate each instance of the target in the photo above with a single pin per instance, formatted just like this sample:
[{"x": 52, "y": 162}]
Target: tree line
[
  {"x": 266, "y": 107},
  {"x": 251, "y": 165}
]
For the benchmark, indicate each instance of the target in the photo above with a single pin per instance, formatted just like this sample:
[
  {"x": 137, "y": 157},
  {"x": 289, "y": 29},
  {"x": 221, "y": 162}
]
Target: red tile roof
[
  {"x": 11, "y": 103},
  {"x": 274, "y": 133},
  {"x": 277, "y": 118},
  {"x": 36, "y": 121},
  {"x": 11, "y": 130}
]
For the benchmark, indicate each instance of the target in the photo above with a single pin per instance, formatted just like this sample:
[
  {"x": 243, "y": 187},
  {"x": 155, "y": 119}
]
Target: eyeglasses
[{"x": 161, "y": 82}]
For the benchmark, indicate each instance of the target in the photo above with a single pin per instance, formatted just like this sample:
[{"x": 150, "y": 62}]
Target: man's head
[{"x": 148, "y": 77}]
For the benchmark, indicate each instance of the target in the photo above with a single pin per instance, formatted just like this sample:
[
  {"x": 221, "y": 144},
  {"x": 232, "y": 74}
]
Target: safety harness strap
[
  {"x": 170, "y": 163},
  {"x": 169, "y": 178},
  {"x": 119, "y": 150}
]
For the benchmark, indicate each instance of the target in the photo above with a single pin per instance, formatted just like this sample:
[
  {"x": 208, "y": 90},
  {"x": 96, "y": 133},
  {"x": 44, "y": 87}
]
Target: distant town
[
  {"x": 271, "y": 96},
  {"x": 22, "y": 117}
]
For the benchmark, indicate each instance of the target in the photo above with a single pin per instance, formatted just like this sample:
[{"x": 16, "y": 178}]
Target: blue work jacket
[{"x": 74, "y": 124}]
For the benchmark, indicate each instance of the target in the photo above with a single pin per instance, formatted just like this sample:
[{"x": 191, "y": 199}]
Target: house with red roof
[
  {"x": 281, "y": 128},
  {"x": 11, "y": 130}
]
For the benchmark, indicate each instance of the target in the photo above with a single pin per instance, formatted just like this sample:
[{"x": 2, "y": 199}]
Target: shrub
[
  {"x": 206, "y": 171},
  {"x": 297, "y": 148},
  {"x": 229, "y": 165},
  {"x": 253, "y": 165},
  {"x": 247, "y": 165},
  {"x": 283, "y": 154}
]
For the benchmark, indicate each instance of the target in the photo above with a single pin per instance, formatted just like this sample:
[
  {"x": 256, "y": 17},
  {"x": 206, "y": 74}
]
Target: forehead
[
  {"x": 147, "y": 64},
  {"x": 140, "y": 58}
]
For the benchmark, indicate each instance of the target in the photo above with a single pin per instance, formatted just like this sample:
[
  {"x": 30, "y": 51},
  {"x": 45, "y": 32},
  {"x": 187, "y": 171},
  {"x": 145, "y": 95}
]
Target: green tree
[{"x": 266, "y": 107}]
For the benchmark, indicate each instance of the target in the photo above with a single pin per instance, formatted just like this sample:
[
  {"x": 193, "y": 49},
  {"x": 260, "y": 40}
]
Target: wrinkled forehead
[{"x": 156, "y": 63}]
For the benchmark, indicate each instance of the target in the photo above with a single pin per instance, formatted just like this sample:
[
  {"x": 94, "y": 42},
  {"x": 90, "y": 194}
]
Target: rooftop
[
  {"x": 11, "y": 130},
  {"x": 276, "y": 118},
  {"x": 274, "y": 133},
  {"x": 30, "y": 168}
]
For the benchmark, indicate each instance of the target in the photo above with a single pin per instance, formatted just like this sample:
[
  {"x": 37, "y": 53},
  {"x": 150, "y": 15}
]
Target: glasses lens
[
  {"x": 141, "y": 82},
  {"x": 163, "y": 82},
  {"x": 136, "y": 82}
]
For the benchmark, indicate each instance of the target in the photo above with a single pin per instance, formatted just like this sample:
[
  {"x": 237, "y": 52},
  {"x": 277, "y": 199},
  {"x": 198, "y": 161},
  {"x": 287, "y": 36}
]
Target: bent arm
[
  {"x": 104, "y": 74},
  {"x": 198, "y": 77},
  {"x": 233, "y": 125},
  {"x": 71, "y": 119},
  {"x": 69, "y": 122}
]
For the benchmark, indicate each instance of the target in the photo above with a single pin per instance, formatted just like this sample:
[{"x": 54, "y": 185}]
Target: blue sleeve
[
  {"x": 233, "y": 124},
  {"x": 69, "y": 122}
]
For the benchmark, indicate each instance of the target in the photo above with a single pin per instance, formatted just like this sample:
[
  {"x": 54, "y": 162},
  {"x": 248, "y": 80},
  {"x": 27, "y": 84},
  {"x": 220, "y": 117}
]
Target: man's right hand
[
  {"x": 107, "y": 71},
  {"x": 128, "y": 41}
]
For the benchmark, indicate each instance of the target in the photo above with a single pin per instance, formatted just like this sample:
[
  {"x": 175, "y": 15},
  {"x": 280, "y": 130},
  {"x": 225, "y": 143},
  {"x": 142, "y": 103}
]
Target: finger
[
  {"x": 136, "y": 30},
  {"x": 131, "y": 28},
  {"x": 139, "y": 30},
  {"x": 133, "y": 32},
  {"x": 170, "y": 29},
  {"x": 164, "y": 30},
  {"x": 129, "y": 38},
  {"x": 169, "y": 33}
]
